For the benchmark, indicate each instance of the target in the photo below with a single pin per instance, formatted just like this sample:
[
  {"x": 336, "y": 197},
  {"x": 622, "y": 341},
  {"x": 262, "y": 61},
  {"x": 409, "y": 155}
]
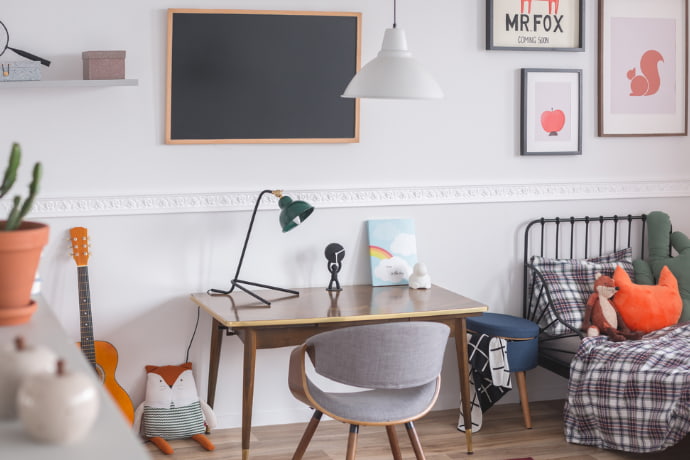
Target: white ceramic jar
[
  {"x": 58, "y": 407},
  {"x": 18, "y": 361}
]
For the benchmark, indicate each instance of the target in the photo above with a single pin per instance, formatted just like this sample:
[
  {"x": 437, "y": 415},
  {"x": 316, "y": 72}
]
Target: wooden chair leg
[
  {"x": 393, "y": 440},
  {"x": 306, "y": 437},
  {"x": 414, "y": 439},
  {"x": 524, "y": 401},
  {"x": 352, "y": 442}
]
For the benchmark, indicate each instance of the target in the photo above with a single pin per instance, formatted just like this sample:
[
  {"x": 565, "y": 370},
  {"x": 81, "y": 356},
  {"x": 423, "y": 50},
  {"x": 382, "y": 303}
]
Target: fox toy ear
[
  {"x": 621, "y": 277},
  {"x": 597, "y": 276},
  {"x": 667, "y": 279}
]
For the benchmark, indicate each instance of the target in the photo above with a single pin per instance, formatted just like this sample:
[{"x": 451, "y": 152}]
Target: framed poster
[
  {"x": 643, "y": 68},
  {"x": 537, "y": 25},
  {"x": 254, "y": 76},
  {"x": 392, "y": 250},
  {"x": 551, "y": 121}
]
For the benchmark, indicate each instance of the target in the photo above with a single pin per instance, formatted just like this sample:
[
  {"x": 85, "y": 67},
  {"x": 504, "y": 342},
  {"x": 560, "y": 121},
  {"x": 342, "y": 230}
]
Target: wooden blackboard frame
[{"x": 182, "y": 88}]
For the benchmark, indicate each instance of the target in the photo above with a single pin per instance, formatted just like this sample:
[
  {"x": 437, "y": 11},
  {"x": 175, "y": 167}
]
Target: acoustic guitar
[{"x": 102, "y": 355}]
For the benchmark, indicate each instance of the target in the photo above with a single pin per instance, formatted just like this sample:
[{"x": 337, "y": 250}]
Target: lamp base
[{"x": 238, "y": 283}]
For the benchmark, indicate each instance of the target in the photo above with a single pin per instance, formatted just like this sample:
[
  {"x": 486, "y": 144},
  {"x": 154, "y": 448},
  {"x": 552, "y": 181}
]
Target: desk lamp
[{"x": 293, "y": 213}]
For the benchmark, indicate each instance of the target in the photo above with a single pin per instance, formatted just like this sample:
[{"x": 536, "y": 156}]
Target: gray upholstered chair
[{"x": 395, "y": 366}]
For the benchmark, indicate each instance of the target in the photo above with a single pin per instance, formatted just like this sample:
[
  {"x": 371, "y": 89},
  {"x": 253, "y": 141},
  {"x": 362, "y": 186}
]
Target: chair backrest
[{"x": 381, "y": 356}]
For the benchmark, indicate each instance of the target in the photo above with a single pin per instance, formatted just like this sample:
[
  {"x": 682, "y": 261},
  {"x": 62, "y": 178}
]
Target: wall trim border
[{"x": 356, "y": 197}]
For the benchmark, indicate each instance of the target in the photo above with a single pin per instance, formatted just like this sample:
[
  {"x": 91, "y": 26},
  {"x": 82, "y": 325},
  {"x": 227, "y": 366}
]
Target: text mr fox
[{"x": 534, "y": 23}]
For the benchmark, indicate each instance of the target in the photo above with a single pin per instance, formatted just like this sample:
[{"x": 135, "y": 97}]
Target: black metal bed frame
[{"x": 570, "y": 238}]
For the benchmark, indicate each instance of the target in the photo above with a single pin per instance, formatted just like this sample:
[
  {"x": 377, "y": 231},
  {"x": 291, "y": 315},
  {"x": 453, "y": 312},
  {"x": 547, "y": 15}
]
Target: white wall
[{"x": 150, "y": 253}]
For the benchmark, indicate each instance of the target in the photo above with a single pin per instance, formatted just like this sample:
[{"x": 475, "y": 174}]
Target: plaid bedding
[
  {"x": 632, "y": 396},
  {"x": 570, "y": 283}
]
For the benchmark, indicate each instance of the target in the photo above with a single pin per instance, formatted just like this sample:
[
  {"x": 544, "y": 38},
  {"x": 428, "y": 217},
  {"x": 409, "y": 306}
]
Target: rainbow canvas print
[{"x": 392, "y": 251}]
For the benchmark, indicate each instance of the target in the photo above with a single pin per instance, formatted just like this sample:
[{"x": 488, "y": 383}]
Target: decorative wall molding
[{"x": 341, "y": 198}]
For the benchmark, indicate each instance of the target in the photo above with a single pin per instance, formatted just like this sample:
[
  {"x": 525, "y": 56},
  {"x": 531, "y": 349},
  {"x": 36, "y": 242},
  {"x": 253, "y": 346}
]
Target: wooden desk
[
  {"x": 111, "y": 437},
  {"x": 291, "y": 319}
]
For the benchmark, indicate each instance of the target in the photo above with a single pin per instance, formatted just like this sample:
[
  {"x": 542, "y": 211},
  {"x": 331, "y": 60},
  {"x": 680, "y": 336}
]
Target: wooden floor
[{"x": 502, "y": 437}]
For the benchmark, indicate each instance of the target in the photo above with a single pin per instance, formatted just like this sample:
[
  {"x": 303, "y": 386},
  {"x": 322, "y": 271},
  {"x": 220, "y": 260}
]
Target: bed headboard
[{"x": 580, "y": 238}]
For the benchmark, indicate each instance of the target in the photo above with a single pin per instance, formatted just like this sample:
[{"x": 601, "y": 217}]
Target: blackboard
[{"x": 241, "y": 76}]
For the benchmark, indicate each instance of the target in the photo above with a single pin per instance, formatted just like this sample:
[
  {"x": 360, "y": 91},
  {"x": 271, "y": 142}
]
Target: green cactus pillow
[{"x": 660, "y": 239}]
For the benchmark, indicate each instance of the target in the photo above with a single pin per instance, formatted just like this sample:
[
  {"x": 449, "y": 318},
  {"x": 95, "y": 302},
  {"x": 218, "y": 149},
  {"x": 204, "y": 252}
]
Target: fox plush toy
[
  {"x": 172, "y": 409},
  {"x": 601, "y": 315}
]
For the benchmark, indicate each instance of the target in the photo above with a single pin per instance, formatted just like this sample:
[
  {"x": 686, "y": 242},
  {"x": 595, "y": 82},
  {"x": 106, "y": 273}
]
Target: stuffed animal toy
[
  {"x": 648, "y": 308},
  {"x": 172, "y": 409},
  {"x": 601, "y": 315},
  {"x": 660, "y": 239}
]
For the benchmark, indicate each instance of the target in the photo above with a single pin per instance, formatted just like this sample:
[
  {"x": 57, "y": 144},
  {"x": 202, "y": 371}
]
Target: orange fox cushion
[{"x": 648, "y": 308}]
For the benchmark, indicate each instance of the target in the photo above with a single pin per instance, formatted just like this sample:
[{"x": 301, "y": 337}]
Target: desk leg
[
  {"x": 216, "y": 341},
  {"x": 248, "y": 388},
  {"x": 463, "y": 368}
]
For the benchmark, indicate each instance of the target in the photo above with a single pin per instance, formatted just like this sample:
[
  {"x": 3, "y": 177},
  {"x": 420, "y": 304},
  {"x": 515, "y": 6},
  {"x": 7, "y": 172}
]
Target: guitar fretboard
[{"x": 85, "y": 322}]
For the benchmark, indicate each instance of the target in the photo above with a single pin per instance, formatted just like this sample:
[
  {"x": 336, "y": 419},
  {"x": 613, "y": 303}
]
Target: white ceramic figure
[
  {"x": 17, "y": 361},
  {"x": 58, "y": 407},
  {"x": 420, "y": 279}
]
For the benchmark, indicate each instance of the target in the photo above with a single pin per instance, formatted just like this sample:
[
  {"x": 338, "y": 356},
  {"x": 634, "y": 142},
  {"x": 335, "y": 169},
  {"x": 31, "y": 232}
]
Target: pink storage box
[{"x": 103, "y": 65}]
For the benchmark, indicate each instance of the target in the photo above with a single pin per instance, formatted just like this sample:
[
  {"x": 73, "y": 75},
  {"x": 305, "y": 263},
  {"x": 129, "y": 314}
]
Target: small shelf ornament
[{"x": 420, "y": 279}]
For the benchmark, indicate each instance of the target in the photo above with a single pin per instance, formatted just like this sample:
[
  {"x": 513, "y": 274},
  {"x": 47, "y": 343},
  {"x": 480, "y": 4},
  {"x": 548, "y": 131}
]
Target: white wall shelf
[
  {"x": 110, "y": 438},
  {"x": 68, "y": 83}
]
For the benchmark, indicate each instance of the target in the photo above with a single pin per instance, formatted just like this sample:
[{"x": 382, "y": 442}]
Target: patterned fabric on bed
[
  {"x": 632, "y": 396},
  {"x": 570, "y": 283}
]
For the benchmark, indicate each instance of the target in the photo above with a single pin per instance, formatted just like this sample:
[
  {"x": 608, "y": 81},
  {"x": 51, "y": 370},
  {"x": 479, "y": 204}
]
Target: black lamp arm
[{"x": 246, "y": 239}]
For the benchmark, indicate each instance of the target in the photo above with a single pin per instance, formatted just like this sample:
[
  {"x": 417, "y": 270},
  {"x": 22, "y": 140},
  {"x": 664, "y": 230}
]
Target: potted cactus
[{"x": 21, "y": 243}]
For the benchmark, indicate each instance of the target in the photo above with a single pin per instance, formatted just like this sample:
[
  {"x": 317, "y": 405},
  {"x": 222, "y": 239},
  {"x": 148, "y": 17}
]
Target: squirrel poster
[{"x": 649, "y": 82}]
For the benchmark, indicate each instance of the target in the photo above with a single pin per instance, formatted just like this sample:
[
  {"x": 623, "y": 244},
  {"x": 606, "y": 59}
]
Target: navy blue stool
[{"x": 522, "y": 350}]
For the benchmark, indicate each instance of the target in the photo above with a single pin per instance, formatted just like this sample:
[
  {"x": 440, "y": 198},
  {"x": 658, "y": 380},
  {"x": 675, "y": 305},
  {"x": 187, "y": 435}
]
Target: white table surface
[{"x": 111, "y": 438}]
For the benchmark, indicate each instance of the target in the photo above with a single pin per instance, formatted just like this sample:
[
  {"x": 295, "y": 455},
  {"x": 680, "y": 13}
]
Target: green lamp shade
[{"x": 293, "y": 212}]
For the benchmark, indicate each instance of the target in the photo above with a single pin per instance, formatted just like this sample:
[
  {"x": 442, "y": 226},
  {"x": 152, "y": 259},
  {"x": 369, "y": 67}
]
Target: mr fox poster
[{"x": 535, "y": 24}]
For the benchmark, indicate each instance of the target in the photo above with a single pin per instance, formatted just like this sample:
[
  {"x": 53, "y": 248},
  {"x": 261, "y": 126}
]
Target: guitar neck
[{"x": 85, "y": 323}]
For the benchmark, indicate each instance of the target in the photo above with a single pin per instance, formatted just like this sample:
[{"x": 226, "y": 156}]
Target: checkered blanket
[{"x": 632, "y": 396}]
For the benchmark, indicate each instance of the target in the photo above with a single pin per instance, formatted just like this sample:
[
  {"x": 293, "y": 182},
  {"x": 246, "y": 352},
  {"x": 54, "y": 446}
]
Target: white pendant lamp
[{"x": 394, "y": 73}]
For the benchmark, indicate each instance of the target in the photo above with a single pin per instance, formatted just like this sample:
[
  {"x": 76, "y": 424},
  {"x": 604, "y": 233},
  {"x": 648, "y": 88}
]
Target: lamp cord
[
  {"x": 395, "y": 13},
  {"x": 186, "y": 359}
]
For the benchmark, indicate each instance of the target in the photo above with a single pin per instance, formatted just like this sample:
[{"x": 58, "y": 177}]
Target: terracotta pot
[{"x": 20, "y": 251}]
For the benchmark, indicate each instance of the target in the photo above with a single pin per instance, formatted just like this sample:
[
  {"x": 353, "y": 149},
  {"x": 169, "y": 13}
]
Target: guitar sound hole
[{"x": 100, "y": 372}]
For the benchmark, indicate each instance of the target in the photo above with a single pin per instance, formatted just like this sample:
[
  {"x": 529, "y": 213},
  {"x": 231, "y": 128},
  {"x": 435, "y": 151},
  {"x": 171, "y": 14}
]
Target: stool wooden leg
[{"x": 524, "y": 401}]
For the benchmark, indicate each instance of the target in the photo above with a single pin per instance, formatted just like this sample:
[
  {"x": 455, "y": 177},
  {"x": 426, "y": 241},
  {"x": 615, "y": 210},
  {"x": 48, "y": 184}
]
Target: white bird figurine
[{"x": 420, "y": 279}]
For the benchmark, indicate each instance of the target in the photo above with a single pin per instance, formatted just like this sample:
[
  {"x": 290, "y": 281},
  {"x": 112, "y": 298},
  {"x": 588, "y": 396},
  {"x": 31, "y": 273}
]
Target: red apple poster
[
  {"x": 551, "y": 112},
  {"x": 552, "y": 103}
]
